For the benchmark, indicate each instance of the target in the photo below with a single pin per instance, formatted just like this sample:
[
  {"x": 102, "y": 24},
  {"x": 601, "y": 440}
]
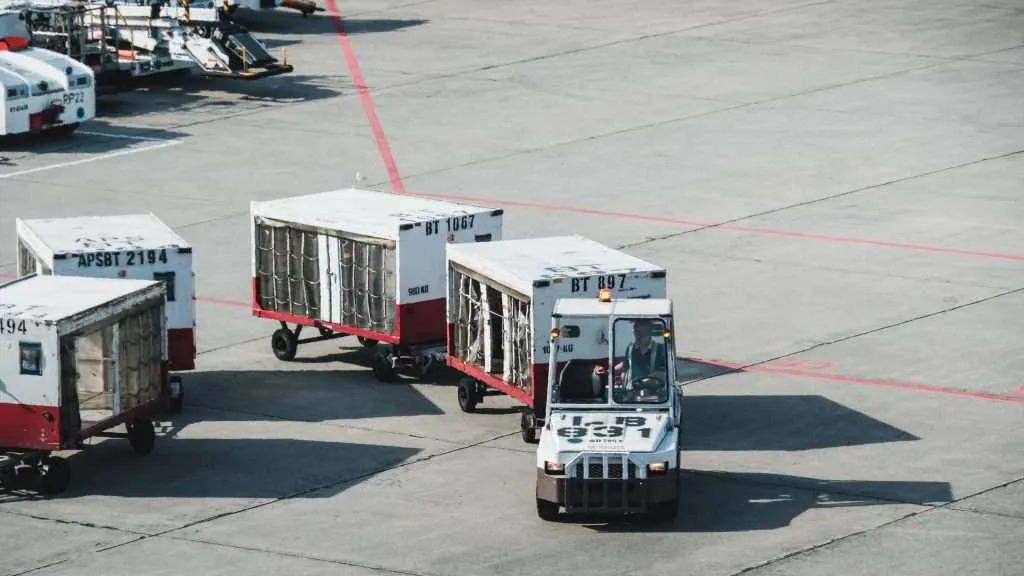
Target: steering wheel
[{"x": 646, "y": 389}]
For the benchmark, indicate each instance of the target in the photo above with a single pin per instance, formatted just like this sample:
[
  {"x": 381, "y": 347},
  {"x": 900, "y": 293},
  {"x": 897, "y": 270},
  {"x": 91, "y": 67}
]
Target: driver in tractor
[{"x": 643, "y": 371}]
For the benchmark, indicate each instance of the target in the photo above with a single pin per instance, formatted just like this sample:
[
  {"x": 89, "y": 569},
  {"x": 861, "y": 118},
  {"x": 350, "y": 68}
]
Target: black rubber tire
[
  {"x": 141, "y": 436},
  {"x": 383, "y": 370},
  {"x": 367, "y": 342},
  {"x": 64, "y": 130},
  {"x": 284, "y": 343},
  {"x": 177, "y": 404},
  {"x": 667, "y": 511},
  {"x": 468, "y": 397},
  {"x": 527, "y": 426},
  {"x": 547, "y": 511},
  {"x": 57, "y": 477}
]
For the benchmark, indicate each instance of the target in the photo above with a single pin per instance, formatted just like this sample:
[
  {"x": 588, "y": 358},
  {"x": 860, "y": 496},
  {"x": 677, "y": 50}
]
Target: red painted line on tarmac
[
  {"x": 364, "y": 96},
  {"x": 798, "y": 368},
  {"x": 766, "y": 368},
  {"x": 734, "y": 228}
]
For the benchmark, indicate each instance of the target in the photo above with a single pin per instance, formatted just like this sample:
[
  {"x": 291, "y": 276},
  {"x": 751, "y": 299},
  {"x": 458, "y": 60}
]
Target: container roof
[
  {"x": 364, "y": 212},
  {"x": 101, "y": 233},
  {"x": 518, "y": 263},
  {"x": 53, "y": 298}
]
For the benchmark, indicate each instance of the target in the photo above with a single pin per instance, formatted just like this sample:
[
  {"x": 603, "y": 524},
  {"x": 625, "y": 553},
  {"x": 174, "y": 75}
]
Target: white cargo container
[
  {"x": 362, "y": 263},
  {"x": 500, "y": 300},
  {"x": 132, "y": 246},
  {"x": 78, "y": 357}
]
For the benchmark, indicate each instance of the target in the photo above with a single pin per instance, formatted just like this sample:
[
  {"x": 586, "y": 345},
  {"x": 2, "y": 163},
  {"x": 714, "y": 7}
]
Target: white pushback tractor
[
  {"x": 40, "y": 90},
  {"x": 610, "y": 439}
]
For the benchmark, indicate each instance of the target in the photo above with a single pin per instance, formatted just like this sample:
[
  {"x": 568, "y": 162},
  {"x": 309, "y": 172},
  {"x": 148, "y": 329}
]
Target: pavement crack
[
  {"x": 810, "y": 549},
  {"x": 353, "y": 564},
  {"x": 231, "y": 345},
  {"x": 731, "y": 477},
  {"x": 652, "y": 239},
  {"x": 332, "y": 484},
  {"x": 77, "y": 523},
  {"x": 656, "y": 124},
  {"x": 863, "y": 333},
  {"x": 315, "y": 421},
  {"x": 987, "y": 512}
]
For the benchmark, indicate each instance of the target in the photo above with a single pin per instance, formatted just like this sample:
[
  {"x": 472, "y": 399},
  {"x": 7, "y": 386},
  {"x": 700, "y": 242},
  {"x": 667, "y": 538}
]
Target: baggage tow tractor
[{"x": 610, "y": 439}]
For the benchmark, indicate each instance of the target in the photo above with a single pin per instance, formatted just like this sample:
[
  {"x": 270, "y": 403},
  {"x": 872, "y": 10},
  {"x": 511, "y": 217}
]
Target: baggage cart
[
  {"x": 78, "y": 357},
  {"x": 362, "y": 263},
  {"x": 501, "y": 297},
  {"x": 133, "y": 246}
]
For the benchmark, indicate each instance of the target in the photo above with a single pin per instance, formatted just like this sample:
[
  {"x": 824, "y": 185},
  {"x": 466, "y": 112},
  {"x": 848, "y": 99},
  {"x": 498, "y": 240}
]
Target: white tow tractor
[
  {"x": 40, "y": 90},
  {"x": 610, "y": 440}
]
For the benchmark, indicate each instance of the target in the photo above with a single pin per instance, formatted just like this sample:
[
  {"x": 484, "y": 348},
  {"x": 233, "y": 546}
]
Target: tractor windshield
[{"x": 641, "y": 358}]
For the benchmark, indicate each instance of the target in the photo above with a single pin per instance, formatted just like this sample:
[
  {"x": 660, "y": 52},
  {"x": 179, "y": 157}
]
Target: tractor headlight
[
  {"x": 554, "y": 468},
  {"x": 657, "y": 468}
]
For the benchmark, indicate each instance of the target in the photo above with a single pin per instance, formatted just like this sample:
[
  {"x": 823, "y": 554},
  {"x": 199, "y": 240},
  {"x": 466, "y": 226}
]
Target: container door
[
  {"x": 330, "y": 277},
  {"x": 70, "y": 414}
]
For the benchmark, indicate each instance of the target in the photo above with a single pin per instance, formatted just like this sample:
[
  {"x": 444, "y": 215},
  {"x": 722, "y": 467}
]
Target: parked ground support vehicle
[
  {"x": 78, "y": 357},
  {"x": 610, "y": 442},
  {"x": 500, "y": 299},
  {"x": 40, "y": 90},
  {"x": 136, "y": 246},
  {"x": 126, "y": 42},
  {"x": 362, "y": 263}
]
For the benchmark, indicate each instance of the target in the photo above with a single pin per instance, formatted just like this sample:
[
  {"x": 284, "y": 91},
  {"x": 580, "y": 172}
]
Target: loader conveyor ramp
[{"x": 227, "y": 50}]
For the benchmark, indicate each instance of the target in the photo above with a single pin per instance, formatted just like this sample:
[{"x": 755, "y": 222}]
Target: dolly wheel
[
  {"x": 64, "y": 130},
  {"x": 285, "y": 343},
  {"x": 468, "y": 396},
  {"x": 141, "y": 435},
  {"x": 382, "y": 369},
  {"x": 366, "y": 342},
  {"x": 667, "y": 511},
  {"x": 527, "y": 426},
  {"x": 56, "y": 477},
  {"x": 547, "y": 510}
]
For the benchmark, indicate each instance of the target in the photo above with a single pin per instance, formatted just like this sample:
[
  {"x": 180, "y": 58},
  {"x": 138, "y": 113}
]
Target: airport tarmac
[{"x": 835, "y": 189}]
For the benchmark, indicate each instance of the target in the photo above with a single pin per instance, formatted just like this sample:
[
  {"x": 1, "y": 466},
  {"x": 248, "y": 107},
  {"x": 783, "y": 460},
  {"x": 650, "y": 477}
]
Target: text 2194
[{"x": 118, "y": 259}]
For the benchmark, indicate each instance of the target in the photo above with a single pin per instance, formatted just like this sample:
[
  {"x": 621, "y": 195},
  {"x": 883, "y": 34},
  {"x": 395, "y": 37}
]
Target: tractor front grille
[{"x": 604, "y": 483}]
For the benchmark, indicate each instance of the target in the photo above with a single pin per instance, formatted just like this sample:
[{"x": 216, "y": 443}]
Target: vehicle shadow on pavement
[
  {"x": 325, "y": 395},
  {"x": 289, "y": 22},
  {"x": 739, "y": 502},
  {"x": 439, "y": 375},
  {"x": 789, "y": 422},
  {"x": 779, "y": 422},
  {"x": 197, "y": 95},
  {"x": 252, "y": 467},
  {"x": 689, "y": 370}
]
